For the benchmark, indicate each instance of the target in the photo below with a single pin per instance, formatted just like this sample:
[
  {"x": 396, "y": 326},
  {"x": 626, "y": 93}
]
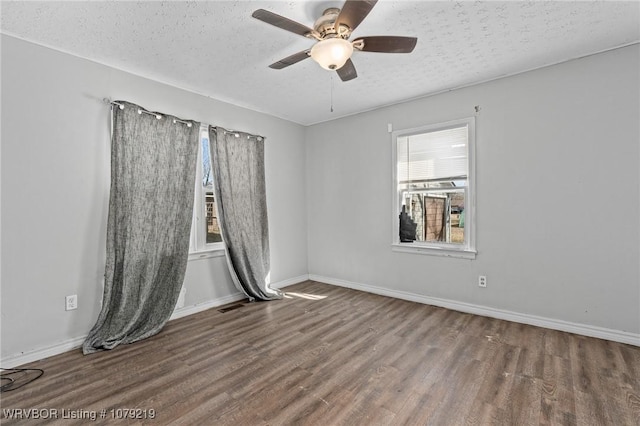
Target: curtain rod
[
  {"x": 237, "y": 133},
  {"x": 176, "y": 120},
  {"x": 142, "y": 110}
]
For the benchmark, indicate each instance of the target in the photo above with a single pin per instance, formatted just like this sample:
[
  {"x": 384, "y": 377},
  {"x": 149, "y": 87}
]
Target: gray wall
[
  {"x": 55, "y": 186},
  {"x": 557, "y": 195}
]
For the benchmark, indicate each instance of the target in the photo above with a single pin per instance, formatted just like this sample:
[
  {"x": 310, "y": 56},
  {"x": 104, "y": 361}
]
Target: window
[
  {"x": 433, "y": 189},
  {"x": 205, "y": 232}
]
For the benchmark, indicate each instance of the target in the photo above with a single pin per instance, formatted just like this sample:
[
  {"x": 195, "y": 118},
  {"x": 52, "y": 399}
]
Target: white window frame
[
  {"x": 198, "y": 247},
  {"x": 467, "y": 250}
]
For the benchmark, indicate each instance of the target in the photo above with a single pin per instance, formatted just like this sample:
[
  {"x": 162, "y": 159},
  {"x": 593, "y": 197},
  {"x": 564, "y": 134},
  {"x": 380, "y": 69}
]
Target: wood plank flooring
[{"x": 327, "y": 355}]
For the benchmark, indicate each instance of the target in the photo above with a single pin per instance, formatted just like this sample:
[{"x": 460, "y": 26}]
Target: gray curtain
[
  {"x": 153, "y": 163},
  {"x": 238, "y": 167}
]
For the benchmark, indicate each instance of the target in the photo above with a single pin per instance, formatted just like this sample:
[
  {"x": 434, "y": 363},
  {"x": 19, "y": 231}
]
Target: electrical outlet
[
  {"x": 482, "y": 281},
  {"x": 71, "y": 302}
]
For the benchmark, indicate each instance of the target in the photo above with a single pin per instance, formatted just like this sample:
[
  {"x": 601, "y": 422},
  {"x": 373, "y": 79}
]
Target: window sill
[
  {"x": 206, "y": 254},
  {"x": 433, "y": 251}
]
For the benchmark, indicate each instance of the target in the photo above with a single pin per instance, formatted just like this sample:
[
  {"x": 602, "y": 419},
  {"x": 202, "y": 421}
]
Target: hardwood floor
[{"x": 327, "y": 355}]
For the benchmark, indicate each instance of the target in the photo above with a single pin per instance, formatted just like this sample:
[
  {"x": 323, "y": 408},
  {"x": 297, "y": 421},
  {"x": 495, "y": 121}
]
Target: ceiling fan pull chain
[{"x": 331, "y": 77}]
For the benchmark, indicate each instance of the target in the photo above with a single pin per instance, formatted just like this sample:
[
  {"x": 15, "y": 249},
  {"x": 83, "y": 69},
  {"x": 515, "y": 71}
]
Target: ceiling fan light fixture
[{"x": 332, "y": 53}]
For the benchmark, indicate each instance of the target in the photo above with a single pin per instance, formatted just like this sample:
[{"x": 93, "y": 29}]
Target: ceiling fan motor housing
[{"x": 325, "y": 25}]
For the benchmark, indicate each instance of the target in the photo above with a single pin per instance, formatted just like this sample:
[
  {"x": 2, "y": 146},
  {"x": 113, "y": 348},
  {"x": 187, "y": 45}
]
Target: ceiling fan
[{"x": 332, "y": 31}]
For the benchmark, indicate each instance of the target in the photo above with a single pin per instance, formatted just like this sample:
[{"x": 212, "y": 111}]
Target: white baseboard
[
  {"x": 290, "y": 281},
  {"x": 26, "y": 357},
  {"x": 554, "y": 324},
  {"x": 41, "y": 353},
  {"x": 194, "y": 309}
]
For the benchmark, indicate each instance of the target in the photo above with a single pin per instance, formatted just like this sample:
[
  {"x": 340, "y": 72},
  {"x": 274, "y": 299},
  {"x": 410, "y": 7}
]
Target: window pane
[
  {"x": 457, "y": 218},
  {"x": 213, "y": 230},
  {"x": 433, "y": 156},
  {"x": 207, "y": 173},
  {"x": 438, "y": 215}
]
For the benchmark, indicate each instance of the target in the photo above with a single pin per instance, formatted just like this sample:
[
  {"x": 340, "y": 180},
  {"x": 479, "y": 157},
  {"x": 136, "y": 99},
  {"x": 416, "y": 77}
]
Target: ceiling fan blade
[
  {"x": 386, "y": 44},
  {"x": 290, "y": 60},
  {"x": 347, "y": 71},
  {"x": 281, "y": 22},
  {"x": 353, "y": 12}
]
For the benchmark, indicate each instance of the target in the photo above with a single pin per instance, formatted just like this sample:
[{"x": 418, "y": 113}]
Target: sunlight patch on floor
[{"x": 291, "y": 295}]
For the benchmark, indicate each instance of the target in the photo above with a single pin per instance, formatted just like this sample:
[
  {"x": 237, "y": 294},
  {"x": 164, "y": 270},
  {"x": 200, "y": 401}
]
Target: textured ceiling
[{"x": 217, "y": 49}]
